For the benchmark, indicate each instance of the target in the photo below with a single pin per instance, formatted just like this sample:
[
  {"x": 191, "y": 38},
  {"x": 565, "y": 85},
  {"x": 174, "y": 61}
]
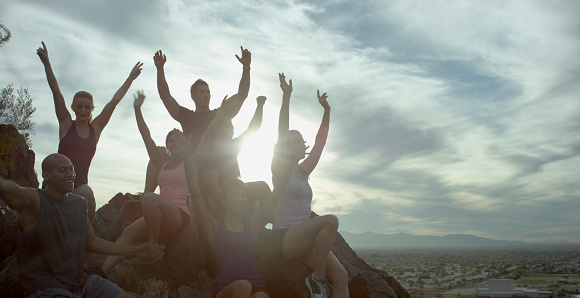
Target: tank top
[
  {"x": 80, "y": 152},
  {"x": 173, "y": 186},
  {"x": 52, "y": 253},
  {"x": 235, "y": 255},
  {"x": 294, "y": 205}
]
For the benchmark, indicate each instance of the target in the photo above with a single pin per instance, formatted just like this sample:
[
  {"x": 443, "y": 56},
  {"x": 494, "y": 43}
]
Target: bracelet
[{"x": 246, "y": 68}]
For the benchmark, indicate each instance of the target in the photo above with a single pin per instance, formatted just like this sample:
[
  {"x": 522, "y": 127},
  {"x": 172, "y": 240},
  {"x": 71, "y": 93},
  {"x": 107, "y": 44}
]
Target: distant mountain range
[{"x": 370, "y": 240}]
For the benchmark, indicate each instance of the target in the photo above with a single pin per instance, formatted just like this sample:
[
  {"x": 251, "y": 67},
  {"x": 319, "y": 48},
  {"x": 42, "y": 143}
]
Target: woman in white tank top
[{"x": 295, "y": 235}]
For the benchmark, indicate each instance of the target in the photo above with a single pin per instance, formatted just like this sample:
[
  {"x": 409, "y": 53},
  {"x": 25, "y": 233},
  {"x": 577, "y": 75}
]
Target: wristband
[{"x": 246, "y": 68}]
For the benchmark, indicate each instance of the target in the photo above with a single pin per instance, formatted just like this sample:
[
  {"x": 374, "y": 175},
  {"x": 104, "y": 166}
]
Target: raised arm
[
  {"x": 168, "y": 101},
  {"x": 208, "y": 223},
  {"x": 101, "y": 121},
  {"x": 152, "y": 151},
  {"x": 62, "y": 113},
  {"x": 256, "y": 121},
  {"x": 279, "y": 165},
  {"x": 308, "y": 165},
  {"x": 244, "y": 87}
]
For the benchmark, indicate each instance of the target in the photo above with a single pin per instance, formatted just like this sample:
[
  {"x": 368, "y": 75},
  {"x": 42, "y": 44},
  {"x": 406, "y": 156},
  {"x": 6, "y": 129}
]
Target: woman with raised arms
[
  {"x": 79, "y": 137},
  {"x": 166, "y": 212},
  {"x": 294, "y": 234}
]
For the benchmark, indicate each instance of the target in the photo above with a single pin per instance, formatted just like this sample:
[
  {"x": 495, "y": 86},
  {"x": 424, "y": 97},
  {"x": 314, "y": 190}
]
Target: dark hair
[
  {"x": 195, "y": 85},
  {"x": 172, "y": 132},
  {"x": 230, "y": 184}
]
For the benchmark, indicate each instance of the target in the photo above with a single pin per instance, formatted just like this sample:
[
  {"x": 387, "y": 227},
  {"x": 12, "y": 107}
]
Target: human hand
[
  {"x": 159, "y": 59},
  {"x": 322, "y": 100},
  {"x": 261, "y": 100},
  {"x": 286, "y": 88},
  {"x": 136, "y": 71},
  {"x": 229, "y": 103},
  {"x": 150, "y": 250},
  {"x": 43, "y": 54},
  {"x": 246, "y": 57},
  {"x": 139, "y": 99}
]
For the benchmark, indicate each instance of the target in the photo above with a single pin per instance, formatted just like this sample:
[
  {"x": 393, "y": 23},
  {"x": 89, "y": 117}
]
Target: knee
[
  {"x": 331, "y": 220},
  {"x": 242, "y": 287},
  {"x": 148, "y": 201},
  {"x": 86, "y": 192}
]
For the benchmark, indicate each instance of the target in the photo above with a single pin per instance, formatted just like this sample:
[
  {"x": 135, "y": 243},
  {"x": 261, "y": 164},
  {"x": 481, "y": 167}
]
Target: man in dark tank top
[{"x": 54, "y": 232}]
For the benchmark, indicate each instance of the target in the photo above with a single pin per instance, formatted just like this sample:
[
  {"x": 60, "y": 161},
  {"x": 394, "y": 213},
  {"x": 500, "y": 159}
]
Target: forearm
[
  {"x": 322, "y": 134},
  {"x": 244, "y": 87},
  {"x": 121, "y": 92},
  {"x": 284, "y": 117},
  {"x": 256, "y": 121},
  {"x": 105, "y": 247}
]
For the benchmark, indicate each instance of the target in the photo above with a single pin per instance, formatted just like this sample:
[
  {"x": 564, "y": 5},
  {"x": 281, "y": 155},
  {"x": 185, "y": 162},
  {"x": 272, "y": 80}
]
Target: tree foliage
[
  {"x": 4, "y": 34},
  {"x": 17, "y": 109}
]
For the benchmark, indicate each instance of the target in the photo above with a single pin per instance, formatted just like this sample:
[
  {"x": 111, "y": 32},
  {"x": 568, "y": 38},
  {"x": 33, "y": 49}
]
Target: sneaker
[{"x": 317, "y": 288}]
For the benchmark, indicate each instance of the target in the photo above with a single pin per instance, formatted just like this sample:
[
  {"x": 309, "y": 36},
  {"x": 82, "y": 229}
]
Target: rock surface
[{"x": 187, "y": 268}]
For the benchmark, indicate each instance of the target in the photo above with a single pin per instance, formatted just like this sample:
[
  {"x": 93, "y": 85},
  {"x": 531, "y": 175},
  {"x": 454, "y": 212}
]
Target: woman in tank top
[
  {"x": 233, "y": 239},
  {"x": 79, "y": 137},
  {"x": 165, "y": 213},
  {"x": 294, "y": 234}
]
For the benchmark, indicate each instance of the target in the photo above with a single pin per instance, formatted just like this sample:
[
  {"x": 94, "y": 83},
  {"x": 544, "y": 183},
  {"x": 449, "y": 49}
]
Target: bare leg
[
  {"x": 335, "y": 273},
  {"x": 239, "y": 288},
  {"x": 135, "y": 232},
  {"x": 160, "y": 214},
  {"x": 316, "y": 233},
  {"x": 85, "y": 191}
]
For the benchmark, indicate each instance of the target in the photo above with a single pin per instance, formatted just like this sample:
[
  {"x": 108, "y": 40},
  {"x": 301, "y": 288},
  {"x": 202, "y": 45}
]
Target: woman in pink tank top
[{"x": 165, "y": 214}]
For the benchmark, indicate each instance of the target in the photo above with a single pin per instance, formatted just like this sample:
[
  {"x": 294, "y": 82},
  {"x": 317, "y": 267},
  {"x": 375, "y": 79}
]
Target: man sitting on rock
[{"x": 54, "y": 234}]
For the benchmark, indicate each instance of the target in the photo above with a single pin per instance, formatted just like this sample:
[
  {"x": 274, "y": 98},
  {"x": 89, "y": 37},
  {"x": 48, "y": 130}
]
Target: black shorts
[{"x": 278, "y": 240}]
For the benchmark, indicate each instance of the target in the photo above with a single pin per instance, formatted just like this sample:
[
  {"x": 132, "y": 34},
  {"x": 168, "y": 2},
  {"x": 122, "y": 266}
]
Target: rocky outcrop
[
  {"x": 17, "y": 164},
  {"x": 16, "y": 159},
  {"x": 187, "y": 269}
]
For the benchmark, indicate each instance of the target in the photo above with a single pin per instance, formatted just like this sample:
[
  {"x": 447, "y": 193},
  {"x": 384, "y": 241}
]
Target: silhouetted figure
[
  {"x": 233, "y": 238},
  {"x": 166, "y": 213},
  {"x": 220, "y": 164},
  {"x": 54, "y": 232},
  {"x": 294, "y": 234},
  {"x": 79, "y": 137}
]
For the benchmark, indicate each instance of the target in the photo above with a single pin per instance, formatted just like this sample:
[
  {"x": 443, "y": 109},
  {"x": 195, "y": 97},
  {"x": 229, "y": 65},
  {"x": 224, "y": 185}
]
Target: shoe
[{"x": 317, "y": 288}]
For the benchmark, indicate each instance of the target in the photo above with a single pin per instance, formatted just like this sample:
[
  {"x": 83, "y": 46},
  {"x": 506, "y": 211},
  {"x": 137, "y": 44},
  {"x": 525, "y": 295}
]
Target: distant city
[{"x": 457, "y": 265}]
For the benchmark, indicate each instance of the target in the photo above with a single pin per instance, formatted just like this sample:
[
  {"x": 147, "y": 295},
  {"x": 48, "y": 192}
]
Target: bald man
[{"x": 54, "y": 234}]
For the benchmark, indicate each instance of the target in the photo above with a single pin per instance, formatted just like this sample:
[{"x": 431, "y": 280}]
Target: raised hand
[
  {"x": 136, "y": 71},
  {"x": 322, "y": 100},
  {"x": 229, "y": 103},
  {"x": 286, "y": 88},
  {"x": 159, "y": 59},
  {"x": 43, "y": 53},
  {"x": 139, "y": 99},
  {"x": 261, "y": 100},
  {"x": 246, "y": 57}
]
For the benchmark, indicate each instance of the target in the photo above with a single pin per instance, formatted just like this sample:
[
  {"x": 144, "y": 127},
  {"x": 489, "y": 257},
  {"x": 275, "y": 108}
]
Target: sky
[{"x": 448, "y": 117}]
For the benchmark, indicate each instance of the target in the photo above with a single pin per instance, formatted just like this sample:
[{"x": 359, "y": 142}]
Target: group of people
[{"x": 199, "y": 186}]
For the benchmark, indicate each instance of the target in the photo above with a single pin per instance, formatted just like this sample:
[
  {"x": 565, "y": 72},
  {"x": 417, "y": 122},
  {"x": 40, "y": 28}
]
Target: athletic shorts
[
  {"x": 95, "y": 286},
  {"x": 277, "y": 240}
]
